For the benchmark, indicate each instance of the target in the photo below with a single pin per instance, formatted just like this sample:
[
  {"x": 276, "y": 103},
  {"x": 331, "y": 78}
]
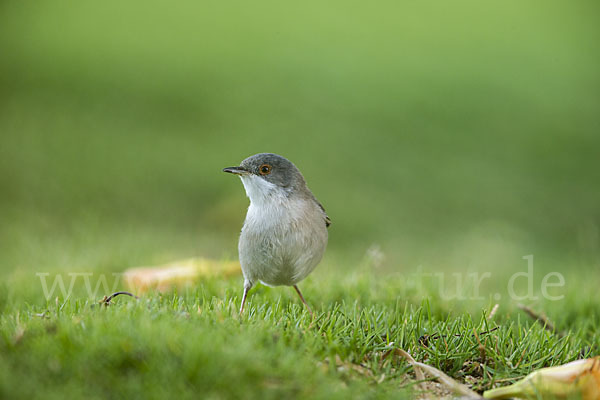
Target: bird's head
[{"x": 267, "y": 174}]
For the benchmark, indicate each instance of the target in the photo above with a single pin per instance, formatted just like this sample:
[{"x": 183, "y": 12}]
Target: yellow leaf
[
  {"x": 579, "y": 378},
  {"x": 177, "y": 274}
]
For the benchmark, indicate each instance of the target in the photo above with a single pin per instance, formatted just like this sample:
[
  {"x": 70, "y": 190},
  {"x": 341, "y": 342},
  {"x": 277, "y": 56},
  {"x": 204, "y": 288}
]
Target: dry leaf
[
  {"x": 178, "y": 274},
  {"x": 576, "y": 379}
]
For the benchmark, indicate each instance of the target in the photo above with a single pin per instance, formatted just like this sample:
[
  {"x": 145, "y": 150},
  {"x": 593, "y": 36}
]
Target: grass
[
  {"x": 442, "y": 138},
  {"x": 193, "y": 343}
]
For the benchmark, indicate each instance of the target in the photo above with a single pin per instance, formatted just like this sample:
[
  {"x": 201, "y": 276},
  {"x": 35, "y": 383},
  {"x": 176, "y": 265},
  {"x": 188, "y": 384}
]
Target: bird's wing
[{"x": 327, "y": 219}]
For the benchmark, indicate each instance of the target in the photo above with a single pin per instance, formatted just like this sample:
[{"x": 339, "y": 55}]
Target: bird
[{"x": 284, "y": 235}]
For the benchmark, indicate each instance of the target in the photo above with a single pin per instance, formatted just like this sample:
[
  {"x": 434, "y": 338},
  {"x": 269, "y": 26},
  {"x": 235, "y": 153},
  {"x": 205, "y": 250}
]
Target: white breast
[{"x": 269, "y": 203}]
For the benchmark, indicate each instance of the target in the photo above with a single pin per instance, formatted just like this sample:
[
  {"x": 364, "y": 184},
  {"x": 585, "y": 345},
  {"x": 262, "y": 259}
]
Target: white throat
[{"x": 261, "y": 192}]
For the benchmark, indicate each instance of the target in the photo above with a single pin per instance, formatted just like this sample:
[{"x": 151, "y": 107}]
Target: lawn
[
  {"x": 454, "y": 146},
  {"x": 194, "y": 344}
]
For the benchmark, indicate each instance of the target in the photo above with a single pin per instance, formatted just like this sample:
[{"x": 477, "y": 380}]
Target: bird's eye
[{"x": 265, "y": 169}]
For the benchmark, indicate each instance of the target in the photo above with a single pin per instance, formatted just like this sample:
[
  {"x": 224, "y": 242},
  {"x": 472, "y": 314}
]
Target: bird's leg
[
  {"x": 247, "y": 287},
  {"x": 304, "y": 301}
]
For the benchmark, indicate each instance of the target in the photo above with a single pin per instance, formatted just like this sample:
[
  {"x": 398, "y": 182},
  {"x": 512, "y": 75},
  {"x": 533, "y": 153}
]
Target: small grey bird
[{"x": 285, "y": 233}]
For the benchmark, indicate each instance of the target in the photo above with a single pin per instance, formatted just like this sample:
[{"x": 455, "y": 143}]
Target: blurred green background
[{"x": 453, "y": 135}]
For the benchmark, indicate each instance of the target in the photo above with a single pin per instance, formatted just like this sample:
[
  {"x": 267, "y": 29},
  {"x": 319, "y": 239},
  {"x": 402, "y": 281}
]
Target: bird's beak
[{"x": 236, "y": 170}]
